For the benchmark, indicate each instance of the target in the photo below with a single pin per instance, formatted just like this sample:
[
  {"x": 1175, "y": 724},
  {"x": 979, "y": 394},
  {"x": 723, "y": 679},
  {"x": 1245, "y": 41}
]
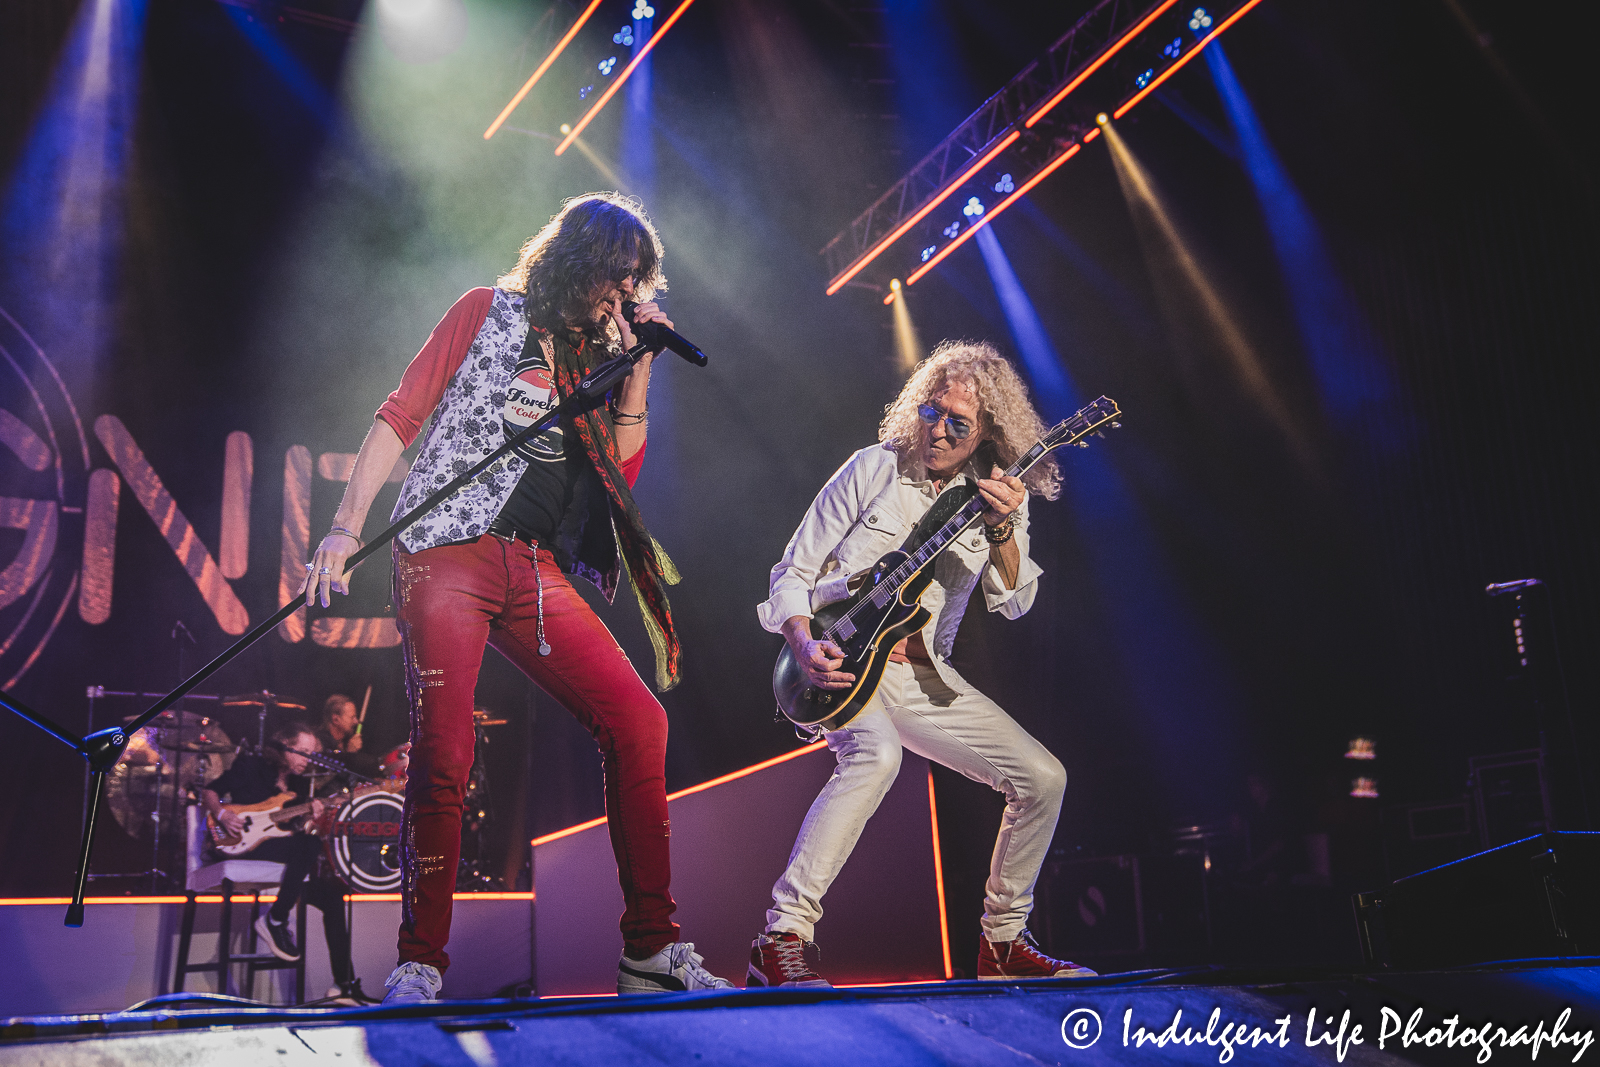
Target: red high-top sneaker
[
  {"x": 1009, "y": 960},
  {"x": 780, "y": 960}
]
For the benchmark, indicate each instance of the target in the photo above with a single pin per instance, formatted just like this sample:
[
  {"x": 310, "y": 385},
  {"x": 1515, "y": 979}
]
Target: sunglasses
[{"x": 959, "y": 427}]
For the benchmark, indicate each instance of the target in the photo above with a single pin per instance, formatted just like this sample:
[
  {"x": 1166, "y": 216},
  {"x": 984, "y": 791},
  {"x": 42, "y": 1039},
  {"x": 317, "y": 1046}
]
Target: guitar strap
[{"x": 950, "y": 501}]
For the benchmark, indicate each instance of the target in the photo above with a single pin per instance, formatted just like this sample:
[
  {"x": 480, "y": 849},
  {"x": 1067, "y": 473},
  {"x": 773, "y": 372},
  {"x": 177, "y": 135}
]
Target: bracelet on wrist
[
  {"x": 623, "y": 418},
  {"x": 348, "y": 533},
  {"x": 1000, "y": 532}
]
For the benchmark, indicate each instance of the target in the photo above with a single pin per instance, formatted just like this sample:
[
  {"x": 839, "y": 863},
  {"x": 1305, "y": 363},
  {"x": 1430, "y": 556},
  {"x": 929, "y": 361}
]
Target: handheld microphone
[
  {"x": 1497, "y": 588},
  {"x": 658, "y": 336}
]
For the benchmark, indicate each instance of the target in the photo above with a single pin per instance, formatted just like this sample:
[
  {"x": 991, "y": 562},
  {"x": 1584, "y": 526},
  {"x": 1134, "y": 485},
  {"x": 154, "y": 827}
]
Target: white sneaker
[
  {"x": 413, "y": 983},
  {"x": 675, "y": 969}
]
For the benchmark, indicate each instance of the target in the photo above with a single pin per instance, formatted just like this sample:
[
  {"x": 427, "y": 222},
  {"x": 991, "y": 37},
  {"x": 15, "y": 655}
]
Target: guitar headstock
[{"x": 1085, "y": 422}]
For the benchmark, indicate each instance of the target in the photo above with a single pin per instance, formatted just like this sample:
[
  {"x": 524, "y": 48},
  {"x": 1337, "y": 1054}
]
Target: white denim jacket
[{"x": 868, "y": 508}]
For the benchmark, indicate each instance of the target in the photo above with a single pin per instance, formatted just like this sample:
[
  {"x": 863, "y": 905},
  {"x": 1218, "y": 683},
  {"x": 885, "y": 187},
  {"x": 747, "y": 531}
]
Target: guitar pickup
[{"x": 845, "y": 629}]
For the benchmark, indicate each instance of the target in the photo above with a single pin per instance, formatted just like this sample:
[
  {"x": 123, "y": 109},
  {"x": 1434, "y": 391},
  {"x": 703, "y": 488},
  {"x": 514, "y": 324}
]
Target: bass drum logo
[{"x": 44, "y": 466}]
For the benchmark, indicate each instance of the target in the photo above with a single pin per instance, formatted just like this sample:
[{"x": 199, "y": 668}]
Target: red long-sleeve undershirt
[{"x": 409, "y": 407}]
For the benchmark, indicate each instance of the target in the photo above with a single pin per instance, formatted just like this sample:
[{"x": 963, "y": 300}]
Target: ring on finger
[
  {"x": 310, "y": 567},
  {"x": 325, "y": 570}
]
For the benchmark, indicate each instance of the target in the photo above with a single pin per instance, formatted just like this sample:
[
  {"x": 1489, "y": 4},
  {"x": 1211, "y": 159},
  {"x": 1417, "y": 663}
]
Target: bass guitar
[
  {"x": 872, "y": 620},
  {"x": 269, "y": 818}
]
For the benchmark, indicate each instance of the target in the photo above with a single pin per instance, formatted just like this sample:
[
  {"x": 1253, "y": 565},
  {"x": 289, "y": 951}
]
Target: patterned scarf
[{"x": 650, "y": 571}]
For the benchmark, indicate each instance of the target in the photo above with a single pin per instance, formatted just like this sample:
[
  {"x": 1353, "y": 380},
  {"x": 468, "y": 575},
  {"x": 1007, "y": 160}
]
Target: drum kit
[{"x": 168, "y": 762}]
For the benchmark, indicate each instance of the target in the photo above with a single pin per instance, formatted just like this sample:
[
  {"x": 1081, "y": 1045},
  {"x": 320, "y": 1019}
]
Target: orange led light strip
[
  {"x": 729, "y": 777},
  {"x": 242, "y": 898},
  {"x": 537, "y": 74},
  {"x": 1001, "y": 206},
  {"x": 1170, "y": 71},
  {"x": 983, "y": 161},
  {"x": 1104, "y": 56},
  {"x": 626, "y": 71},
  {"x": 938, "y": 877}
]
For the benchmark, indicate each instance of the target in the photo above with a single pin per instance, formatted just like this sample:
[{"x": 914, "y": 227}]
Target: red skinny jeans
[{"x": 454, "y": 599}]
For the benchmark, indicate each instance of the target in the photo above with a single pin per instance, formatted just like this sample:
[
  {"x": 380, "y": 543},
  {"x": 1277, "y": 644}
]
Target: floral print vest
[{"x": 466, "y": 427}]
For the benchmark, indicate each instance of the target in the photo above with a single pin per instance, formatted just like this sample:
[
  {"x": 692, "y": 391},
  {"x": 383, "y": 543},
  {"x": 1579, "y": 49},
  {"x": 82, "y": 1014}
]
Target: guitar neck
[{"x": 1067, "y": 432}]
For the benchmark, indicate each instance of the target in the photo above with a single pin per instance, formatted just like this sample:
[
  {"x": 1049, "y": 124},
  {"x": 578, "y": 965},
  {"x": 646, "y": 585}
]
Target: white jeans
[{"x": 960, "y": 728}]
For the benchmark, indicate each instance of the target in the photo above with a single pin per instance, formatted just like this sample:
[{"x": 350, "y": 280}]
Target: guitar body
[
  {"x": 876, "y": 630},
  {"x": 885, "y": 609},
  {"x": 258, "y": 825}
]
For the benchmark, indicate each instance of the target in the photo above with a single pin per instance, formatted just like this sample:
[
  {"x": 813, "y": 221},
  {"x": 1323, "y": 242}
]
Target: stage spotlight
[
  {"x": 930, "y": 250},
  {"x": 1366, "y": 788},
  {"x": 642, "y": 11},
  {"x": 953, "y": 229},
  {"x": 566, "y": 128},
  {"x": 1362, "y": 748},
  {"x": 1199, "y": 20},
  {"x": 1144, "y": 79},
  {"x": 624, "y": 36},
  {"x": 1005, "y": 184},
  {"x": 1102, "y": 118},
  {"x": 583, "y": 94},
  {"x": 907, "y": 346},
  {"x": 973, "y": 208},
  {"x": 605, "y": 66},
  {"x": 1172, "y": 50},
  {"x": 422, "y": 31}
]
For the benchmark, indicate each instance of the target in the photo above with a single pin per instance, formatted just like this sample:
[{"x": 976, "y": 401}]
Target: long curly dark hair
[{"x": 593, "y": 242}]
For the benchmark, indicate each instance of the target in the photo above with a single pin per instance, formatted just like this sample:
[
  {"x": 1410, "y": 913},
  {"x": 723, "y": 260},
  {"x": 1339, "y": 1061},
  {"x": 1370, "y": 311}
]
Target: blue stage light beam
[
  {"x": 1056, "y": 394},
  {"x": 300, "y": 82},
  {"x": 1357, "y": 386},
  {"x": 65, "y": 208},
  {"x": 637, "y": 148},
  {"x": 1174, "y": 672}
]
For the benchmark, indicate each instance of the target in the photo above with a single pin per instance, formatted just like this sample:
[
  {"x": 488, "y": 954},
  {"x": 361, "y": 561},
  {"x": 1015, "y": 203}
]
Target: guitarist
[
  {"x": 962, "y": 417},
  {"x": 255, "y": 777}
]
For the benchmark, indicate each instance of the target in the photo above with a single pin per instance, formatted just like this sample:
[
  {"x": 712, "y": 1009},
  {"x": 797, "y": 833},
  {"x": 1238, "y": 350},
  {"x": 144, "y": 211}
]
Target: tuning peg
[
  {"x": 1116, "y": 425},
  {"x": 1100, "y": 435},
  {"x": 1083, "y": 444}
]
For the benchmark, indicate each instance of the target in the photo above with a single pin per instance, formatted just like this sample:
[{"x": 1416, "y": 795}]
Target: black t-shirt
[
  {"x": 363, "y": 763},
  {"x": 544, "y": 493},
  {"x": 253, "y": 779}
]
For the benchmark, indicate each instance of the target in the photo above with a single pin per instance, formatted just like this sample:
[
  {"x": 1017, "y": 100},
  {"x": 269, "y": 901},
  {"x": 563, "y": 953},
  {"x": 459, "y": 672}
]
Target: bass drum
[{"x": 364, "y": 843}]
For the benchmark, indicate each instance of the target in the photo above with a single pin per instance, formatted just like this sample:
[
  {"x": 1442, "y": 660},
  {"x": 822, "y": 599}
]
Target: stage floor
[{"x": 1544, "y": 1011}]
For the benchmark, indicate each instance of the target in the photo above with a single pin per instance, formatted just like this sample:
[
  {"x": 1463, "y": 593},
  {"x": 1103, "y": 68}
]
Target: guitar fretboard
[{"x": 889, "y": 585}]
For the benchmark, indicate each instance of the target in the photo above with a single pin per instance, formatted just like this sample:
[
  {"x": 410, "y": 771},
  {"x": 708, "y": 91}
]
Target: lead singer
[{"x": 490, "y": 566}]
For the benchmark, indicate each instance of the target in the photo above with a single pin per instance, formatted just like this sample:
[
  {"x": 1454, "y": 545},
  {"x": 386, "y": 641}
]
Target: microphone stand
[{"x": 103, "y": 748}]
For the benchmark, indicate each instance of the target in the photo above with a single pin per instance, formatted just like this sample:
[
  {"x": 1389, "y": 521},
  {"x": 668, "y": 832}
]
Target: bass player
[
  {"x": 255, "y": 777},
  {"x": 963, "y": 416}
]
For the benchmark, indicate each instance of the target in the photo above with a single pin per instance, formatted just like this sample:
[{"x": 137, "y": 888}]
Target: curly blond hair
[
  {"x": 1006, "y": 418},
  {"x": 594, "y": 240}
]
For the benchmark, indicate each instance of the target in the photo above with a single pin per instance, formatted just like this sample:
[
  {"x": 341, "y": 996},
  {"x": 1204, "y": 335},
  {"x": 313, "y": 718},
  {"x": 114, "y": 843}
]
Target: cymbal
[
  {"x": 135, "y": 792},
  {"x": 263, "y": 699},
  {"x": 179, "y": 731}
]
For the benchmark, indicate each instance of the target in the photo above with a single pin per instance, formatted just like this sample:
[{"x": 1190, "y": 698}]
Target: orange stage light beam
[
  {"x": 1104, "y": 56},
  {"x": 626, "y": 71},
  {"x": 1001, "y": 206},
  {"x": 1170, "y": 71},
  {"x": 539, "y": 73},
  {"x": 729, "y": 777},
  {"x": 938, "y": 878},
  {"x": 878, "y": 248}
]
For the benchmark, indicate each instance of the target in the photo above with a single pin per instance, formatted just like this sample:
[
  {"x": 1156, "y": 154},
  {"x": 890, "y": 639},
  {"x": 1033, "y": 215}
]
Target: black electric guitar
[{"x": 886, "y": 608}]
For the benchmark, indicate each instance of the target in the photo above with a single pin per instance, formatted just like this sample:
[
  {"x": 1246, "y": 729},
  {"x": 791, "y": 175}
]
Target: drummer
[
  {"x": 340, "y": 735},
  {"x": 258, "y": 776}
]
